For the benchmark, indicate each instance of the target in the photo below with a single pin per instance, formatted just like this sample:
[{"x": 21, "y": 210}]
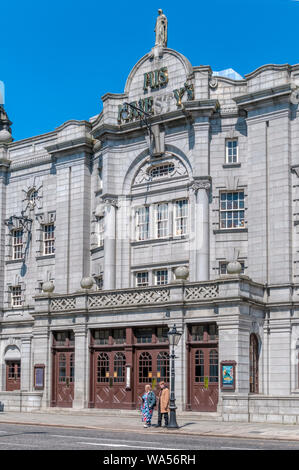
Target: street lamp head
[
  {"x": 174, "y": 336},
  {"x": 10, "y": 224}
]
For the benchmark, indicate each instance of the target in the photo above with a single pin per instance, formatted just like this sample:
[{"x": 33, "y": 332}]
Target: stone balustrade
[{"x": 179, "y": 292}]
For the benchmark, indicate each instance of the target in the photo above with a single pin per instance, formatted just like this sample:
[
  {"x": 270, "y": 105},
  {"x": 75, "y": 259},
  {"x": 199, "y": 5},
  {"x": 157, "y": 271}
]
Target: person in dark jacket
[
  {"x": 147, "y": 406},
  {"x": 163, "y": 404}
]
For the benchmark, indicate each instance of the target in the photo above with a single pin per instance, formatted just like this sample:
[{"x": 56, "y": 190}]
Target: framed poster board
[
  {"x": 228, "y": 375},
  {"x": 39, "y": 376}
]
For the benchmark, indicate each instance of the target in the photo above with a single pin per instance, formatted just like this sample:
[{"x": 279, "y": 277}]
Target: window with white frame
[
  {"x": 142, "y": 279},
  {"x": 100, "y": 228},
  {"x": 231, "y": 151},
  {"x": 181, "y": 217},
  {"x": 16, "y": 296},
  {"x": 162, "y": 223},
  {"x": 232, "y": 213},
  {"x": 157, "y": 225},
  {"x": 49, "y": 239},
  {"x": 142, "y": 223},
  {"x": 161, "y": 277},
  {"x": 17, "y": 244},
  {"x": 223, "y": 267}
]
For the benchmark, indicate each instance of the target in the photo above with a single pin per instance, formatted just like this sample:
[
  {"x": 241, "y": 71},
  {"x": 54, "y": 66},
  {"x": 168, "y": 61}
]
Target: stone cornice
[
  {"x": 81, "y": 144},
  {"x": 263, "y": 68},
  {"x": 73, "y": 122},
  {"x": 203, "y": 68},
  {"x": 114, "y": 96},
  {"x": 37, "y": 139},
  {"x": 251, "y": 100},
  {"x": 30, "y": 162},
  {"x": 189, "y": 108}
]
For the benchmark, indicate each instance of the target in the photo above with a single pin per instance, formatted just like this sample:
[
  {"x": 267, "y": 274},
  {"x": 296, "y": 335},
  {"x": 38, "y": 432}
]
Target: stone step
[{"x": 189, "y": 415}]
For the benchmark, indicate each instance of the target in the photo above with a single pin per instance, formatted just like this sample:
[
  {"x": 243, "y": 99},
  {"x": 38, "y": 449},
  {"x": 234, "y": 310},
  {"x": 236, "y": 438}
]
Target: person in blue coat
[{"x": 147, "y": 406}]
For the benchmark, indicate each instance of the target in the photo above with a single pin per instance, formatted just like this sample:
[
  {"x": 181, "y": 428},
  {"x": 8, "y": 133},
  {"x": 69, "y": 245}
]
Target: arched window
[
  {"x": 119, "y": 367},
  {"x": 253, "y": 364},
  {"x": 103, "y": 368},
  {"x": 145, "y": 367},
  {"x": 163, "y": 367},
  {"x": 160, "y": 171}
]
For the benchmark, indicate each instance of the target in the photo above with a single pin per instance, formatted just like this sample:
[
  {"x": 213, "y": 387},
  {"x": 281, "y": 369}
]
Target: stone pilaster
[
  {"x": 26, "y": 365},
  {"x": 41, "y": 355},
  {"x": 4, "y": 167},
  {"x": 110, "y": 243},
  {"x": 81, "y": 373},
  {"x": 234, "y": 334}
]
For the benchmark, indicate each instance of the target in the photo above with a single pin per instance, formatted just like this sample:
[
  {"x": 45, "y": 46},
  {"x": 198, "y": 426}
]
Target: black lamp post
[{"x": 174, "y": 338}]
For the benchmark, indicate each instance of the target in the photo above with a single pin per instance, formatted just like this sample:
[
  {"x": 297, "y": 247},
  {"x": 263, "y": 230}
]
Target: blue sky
[{"x": 59, "y": 57}]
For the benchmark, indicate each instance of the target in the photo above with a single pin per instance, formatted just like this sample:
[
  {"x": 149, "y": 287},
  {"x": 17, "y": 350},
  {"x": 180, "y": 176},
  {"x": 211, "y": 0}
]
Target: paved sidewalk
[{"x": 132, "y": 421}]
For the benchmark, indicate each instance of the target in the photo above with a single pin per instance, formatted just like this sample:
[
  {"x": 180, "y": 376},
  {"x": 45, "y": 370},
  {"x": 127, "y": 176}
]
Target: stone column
[
  {"x": 26, "y": 375},
  {"x": 110, "y": 243},
  {"x": 201, "y": 230},
  {"x": 81, "y": 373}
]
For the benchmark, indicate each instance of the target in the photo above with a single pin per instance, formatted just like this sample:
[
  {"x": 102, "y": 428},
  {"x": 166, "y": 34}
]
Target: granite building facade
[{"x": 177, "y": 204}]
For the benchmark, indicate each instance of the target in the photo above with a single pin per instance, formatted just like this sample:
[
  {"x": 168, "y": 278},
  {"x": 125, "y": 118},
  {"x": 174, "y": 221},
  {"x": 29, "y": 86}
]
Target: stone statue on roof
[{"x": 161, "y": 30}]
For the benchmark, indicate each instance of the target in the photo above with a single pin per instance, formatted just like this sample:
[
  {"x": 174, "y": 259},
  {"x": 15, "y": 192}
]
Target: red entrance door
[
  {"x": 64, "y": 374},
  {"x": 203, "y": 368},
  {"x": 63, "y": 377},
  {"x": 13, "y": 375},
  {"x": 204, "y": 379},
  {"x": 108, "y": 379},
  {"x": 151, "y": 366}
]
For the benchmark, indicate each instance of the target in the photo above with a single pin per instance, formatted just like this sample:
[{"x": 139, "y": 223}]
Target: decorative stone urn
[
  {"x": 181, "y": 273},
  {"x": 48, "y": 287},
  {"x": 87, "y": 282},
  {"x": 234, "y": 267}
]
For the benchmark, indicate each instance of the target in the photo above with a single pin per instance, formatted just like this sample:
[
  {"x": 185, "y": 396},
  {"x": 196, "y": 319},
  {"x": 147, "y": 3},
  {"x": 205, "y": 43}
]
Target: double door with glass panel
[
  {"x": 63, "y": 378},
  {"x": 203, "y": 368},
  {"x": 108, "y": 388}
]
